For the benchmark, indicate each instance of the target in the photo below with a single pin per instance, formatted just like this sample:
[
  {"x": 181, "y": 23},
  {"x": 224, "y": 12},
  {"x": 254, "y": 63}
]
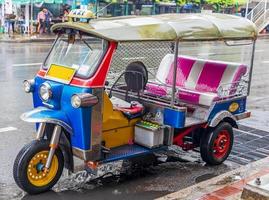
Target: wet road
[{"x": 21, "y": 61}]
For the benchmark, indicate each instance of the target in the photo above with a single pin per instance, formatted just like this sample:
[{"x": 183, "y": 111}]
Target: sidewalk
[
  {"x": 228, "y": 186},
  {"x": 17, "y": 38}
]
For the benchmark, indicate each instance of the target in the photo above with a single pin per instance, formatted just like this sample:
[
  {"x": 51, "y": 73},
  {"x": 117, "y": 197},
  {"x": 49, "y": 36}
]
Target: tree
[{"x": 217, "y": 4}]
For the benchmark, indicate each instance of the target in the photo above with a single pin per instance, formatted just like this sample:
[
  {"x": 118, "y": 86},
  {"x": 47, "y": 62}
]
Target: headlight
[
  {"x": 45, "y": 92},
  {"x": 83, "y": 100},
  {"x": 28, "y": 85}
]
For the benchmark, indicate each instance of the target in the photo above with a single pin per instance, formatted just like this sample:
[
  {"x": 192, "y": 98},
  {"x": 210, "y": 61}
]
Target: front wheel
[
  {"x": 28, "y": 169},
  {"x": 217, "y": 144}
]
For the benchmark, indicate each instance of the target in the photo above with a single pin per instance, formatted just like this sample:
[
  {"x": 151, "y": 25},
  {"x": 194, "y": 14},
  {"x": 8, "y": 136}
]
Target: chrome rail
[
  {"x": 239, "y": 88},
  {"x": 262, "y": 21},
  {"x": 259, "y": 15}
]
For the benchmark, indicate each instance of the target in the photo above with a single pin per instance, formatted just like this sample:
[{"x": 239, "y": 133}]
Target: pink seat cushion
[
  {"x": 155, "y": 89},
  {"x": 196, "y": 97}
]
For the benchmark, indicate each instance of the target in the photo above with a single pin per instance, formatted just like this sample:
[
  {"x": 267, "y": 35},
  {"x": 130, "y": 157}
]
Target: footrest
[{"x": 125, "y": 151}]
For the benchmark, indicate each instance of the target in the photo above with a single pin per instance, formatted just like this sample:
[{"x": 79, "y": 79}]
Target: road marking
[
  {"x": 265, "y": 61},
  {"x": 6, "y": 129},
  {"x": 249, "y": 133},
  {"x": 26, "y": 64},
  {"x": 259, "y": 50}
]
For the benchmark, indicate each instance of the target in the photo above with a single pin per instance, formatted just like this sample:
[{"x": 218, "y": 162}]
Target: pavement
[
  {"x": 18, "y": 38},
  {"x": 228, "y": 186}
]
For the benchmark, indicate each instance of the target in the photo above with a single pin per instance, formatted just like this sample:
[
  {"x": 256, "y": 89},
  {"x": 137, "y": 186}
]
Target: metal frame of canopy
[{"x": 171, "y": 27}]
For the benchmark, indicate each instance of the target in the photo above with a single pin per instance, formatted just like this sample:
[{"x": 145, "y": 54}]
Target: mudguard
[
  {"x": 43, "y": 114},
  {"x": 223, "y": 116}
]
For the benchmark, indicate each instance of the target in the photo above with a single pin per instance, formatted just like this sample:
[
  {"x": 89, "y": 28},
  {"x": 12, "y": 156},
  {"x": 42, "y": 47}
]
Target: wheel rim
[
  {"x": 221, "y": 144},
  {"x": 35, "y": 169}
]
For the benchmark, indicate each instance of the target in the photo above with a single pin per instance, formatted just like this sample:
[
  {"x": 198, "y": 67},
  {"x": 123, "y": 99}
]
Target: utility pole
[
  {"x": 96, "y": 8},
  {"x": 32, "y": 16},
  {"x": 246, "y": 12},
  {"x": 3, "y": 14},
  {"x": 126, "y": 7}
]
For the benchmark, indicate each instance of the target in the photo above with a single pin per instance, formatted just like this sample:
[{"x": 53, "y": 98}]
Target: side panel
[
  {"x": 118, "y": 137},
  {"x": 233, "y": 106}
]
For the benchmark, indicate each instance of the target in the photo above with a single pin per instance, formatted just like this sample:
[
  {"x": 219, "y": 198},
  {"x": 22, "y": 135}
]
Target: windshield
[{"x": 80, "y": 52}]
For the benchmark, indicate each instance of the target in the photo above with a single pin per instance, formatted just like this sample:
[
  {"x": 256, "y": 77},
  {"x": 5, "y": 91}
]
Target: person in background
[
  {"x": 41, "y": 21},
  {"x": 48, "y": 16},
  {"x": 65, "y": 15},
  {"x": 11, "y": 20},
  {"x": 21, "y": 21}
]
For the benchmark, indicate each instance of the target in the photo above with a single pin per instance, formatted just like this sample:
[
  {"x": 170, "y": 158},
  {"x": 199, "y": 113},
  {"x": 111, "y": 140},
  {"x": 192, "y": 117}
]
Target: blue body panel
[
  {"x": 79, "y": 119},
  {"x": 224, "y": 106},
  {"x": 129, "y": 151},
  {"x": 174, "y": 118},
  {"x": 43, "y": 114}
]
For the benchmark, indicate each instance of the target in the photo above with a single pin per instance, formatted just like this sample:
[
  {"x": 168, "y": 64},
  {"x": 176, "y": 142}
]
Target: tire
[
  {"x": 28, "y": 167},
  {"x": 216, "y": 144}
]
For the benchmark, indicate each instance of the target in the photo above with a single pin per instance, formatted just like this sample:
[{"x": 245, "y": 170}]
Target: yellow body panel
[
  {"x": 117, "y": 129},
  {"x": 112, "y": 118},
  {"x": 118, "y": 137}
]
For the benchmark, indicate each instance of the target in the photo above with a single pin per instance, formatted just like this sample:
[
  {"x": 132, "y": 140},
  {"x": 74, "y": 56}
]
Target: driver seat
[
  {"x": 136, "y": 78},
  {"x": 130, "y": 110}
]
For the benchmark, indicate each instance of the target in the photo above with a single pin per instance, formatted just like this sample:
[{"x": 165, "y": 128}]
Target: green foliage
[
  {"x": 215, "y": 3},
  {"x": 225, "y": 3},
  {"x": 183, "y": 2}
]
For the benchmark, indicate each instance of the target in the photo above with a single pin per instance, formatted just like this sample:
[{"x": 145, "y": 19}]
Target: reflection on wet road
[{"x": 21, "y": 61}]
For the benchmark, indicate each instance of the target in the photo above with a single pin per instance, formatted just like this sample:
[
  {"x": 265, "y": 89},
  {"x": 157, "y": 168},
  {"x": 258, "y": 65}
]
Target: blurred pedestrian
[
  {"x": 65, "y": 15},
  {"x": 48, "y": 16},
  {"x": 11, "y": 18},
  {"x": 41, "y": 17}
]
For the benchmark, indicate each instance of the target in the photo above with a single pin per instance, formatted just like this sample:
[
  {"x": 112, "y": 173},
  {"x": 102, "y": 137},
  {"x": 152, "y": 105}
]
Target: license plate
[{"x": 60, "y": 73}]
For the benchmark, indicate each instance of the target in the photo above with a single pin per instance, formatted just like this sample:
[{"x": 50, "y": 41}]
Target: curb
[
  {"x": 27, "y": 40},
  {"x": 199, "y": 190},
  {"x": 263, "y": 35}
]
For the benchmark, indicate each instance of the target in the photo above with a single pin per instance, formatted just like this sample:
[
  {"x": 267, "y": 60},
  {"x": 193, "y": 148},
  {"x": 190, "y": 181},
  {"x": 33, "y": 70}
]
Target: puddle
[{"x": 204, "y": 177}]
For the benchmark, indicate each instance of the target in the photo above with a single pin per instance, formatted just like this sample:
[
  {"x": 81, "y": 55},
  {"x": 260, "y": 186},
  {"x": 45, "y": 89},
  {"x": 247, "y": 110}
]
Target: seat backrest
[
  {"x": 198, "y": 74},
  {"x": 136, "y": 76}
]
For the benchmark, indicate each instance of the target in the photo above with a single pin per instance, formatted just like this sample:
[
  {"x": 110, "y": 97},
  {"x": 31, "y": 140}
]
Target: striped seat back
[{"x": 198, "y": 74}]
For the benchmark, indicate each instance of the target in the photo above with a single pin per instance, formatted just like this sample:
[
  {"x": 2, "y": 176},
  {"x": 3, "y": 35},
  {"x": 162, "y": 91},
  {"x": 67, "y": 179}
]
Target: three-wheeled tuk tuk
[{"x": 119, "y": 88}]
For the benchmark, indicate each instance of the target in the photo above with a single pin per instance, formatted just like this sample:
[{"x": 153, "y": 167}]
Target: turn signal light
[
  {"x": 83, "y": 100},
  {"x": 28, "y": 85}
]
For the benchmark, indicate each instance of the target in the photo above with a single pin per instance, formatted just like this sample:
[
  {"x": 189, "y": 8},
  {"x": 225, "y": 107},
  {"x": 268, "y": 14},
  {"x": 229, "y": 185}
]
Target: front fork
[{"x": 54, "y": 141}]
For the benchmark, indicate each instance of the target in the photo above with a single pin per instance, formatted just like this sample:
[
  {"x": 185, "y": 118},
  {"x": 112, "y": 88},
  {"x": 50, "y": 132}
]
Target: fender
[
  {"x": 223, "y": 116},
  {"x": 43, "y": 114}
]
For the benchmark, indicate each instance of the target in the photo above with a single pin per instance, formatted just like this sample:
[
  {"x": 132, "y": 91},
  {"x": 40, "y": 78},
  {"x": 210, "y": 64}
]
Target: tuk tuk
[{"x": 120, "y": 88}]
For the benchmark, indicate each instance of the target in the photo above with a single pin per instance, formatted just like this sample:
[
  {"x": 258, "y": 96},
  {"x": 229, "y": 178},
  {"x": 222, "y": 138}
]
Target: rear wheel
[
  {"x": 28, "y": 169},
  {"x": 216, "y": 144}
]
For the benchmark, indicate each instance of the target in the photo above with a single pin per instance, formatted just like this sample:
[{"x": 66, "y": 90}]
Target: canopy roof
[{"x": 184, "y": 27}]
